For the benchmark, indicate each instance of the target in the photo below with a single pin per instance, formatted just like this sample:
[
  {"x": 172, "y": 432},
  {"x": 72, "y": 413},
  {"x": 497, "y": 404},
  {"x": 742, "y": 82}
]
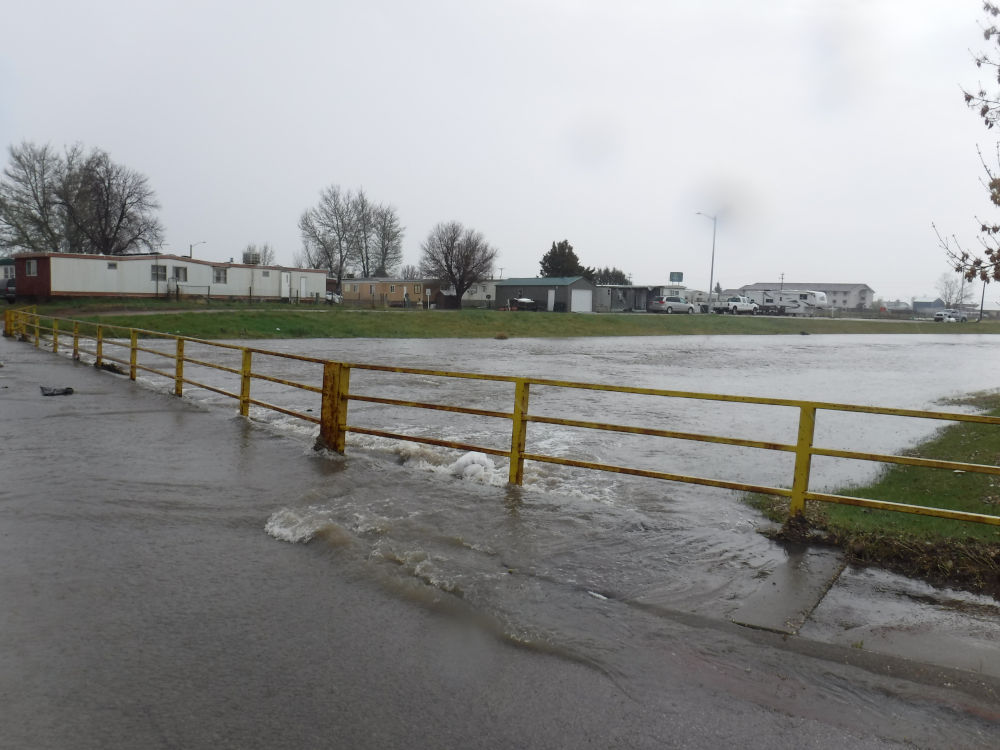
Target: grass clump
[{"x": 941, "y": 551}]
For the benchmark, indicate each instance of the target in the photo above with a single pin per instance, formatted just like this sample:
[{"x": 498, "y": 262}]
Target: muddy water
[{"x": 533, "y": 561}]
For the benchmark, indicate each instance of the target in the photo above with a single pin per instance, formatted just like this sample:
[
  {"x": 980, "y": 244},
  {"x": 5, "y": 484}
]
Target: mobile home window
[
  {"x": 31, "y": 267},
  {"x": 180, "y": 273},
  {"x": 219, "y": 275},
  {"x": 392, "y": 288},
  {"x": 416, "y": 289},
  {"x": 158, "y": 273},
  {"x": 265, "y": 274},
  {"x": 8, "y": 272},
  {"x": 112, "y": 265},
  {"x": 371, "y": 290}
]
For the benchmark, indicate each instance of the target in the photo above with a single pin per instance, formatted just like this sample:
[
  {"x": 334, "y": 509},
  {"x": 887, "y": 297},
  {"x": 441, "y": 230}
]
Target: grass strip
[{"x": 229, "y": 320}]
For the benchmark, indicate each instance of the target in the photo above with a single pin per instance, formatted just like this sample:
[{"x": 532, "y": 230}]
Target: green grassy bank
[
  {"x": 941, "y": 551},
  {"x": 229, "y": 321}
]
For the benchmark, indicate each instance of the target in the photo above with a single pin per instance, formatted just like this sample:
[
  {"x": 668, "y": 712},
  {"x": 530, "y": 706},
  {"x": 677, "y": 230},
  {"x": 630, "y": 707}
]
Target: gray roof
[{"x": 550, "y": 281}]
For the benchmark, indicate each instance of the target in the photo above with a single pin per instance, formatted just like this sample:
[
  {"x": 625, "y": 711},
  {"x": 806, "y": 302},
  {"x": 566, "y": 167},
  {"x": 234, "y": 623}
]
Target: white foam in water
[
  {"x": 475, "y": 466},
  {"x": 296, "y": 524}
]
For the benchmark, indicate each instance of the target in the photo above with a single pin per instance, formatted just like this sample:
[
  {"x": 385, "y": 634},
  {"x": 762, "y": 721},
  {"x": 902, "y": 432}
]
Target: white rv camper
[{"x": 801, "y": 302}]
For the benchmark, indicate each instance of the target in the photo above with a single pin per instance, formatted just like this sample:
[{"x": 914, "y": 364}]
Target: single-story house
[
  {"x": 622, "y": 297},
  {"x": 390, "y": 292},
  {"x": 45, "y": 275},
  {"x": 555, "y": 294}
]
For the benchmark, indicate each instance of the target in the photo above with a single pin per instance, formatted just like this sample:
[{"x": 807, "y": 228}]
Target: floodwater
[
  {"x": 185, "y": 578},
  {"x": 528, "y": 564}
]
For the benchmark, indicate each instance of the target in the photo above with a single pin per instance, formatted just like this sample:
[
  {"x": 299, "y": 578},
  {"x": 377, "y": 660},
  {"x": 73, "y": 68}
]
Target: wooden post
[
  {"x": 179, "y": 369},
  {"x": 333, "y": 413},
  {"x": 518, "y": 435},
  {"x": 245, "y": 383},
  {"x": 803, "y": 460},
  {"x": 133, "y": 352}
]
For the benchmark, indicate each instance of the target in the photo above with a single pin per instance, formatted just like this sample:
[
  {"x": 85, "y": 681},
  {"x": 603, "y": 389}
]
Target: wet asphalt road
[{"x": 144, "y": 606}]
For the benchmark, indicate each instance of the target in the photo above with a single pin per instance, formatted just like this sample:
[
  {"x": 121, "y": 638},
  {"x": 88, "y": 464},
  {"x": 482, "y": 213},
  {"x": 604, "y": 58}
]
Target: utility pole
[{"x": 711, "y": 270}]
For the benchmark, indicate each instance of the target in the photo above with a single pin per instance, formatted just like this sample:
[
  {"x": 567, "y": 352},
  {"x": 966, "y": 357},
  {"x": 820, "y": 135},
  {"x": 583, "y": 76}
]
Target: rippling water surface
[{"x": 533, "y": 561}]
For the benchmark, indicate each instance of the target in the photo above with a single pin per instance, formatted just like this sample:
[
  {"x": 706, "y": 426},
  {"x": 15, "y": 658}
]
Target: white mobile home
[{"x": 47, "y": 275}]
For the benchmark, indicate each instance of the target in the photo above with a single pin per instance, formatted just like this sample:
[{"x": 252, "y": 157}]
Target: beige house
[{"x": 389, "y": 292}]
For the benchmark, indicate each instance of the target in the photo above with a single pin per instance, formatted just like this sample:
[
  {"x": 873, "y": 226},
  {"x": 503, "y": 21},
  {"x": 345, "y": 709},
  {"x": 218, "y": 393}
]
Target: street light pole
[
  {"x": 711, "y": 271},
  {"x": 191, "y": 247}
]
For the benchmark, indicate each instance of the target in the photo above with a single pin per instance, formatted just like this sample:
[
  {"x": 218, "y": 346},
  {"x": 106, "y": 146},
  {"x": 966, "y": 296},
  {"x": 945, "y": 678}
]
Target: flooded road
[
  {"x": 572, "y": 535},
  {"x": 196, "y": 571}
]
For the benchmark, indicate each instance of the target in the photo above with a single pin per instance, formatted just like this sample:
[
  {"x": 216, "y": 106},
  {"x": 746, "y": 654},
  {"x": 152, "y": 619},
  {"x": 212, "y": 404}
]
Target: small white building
[{"x": 47, "y": 275}]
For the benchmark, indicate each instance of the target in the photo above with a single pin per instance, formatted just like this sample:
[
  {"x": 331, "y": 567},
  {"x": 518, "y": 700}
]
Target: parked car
[
  {"x": 736, "y": 305},
  {"x": 950, "y": 316},
  {"x": 332, "y": 298},
  {"x": 9, "y": 291},
  {"x": 670, "y": 305}
]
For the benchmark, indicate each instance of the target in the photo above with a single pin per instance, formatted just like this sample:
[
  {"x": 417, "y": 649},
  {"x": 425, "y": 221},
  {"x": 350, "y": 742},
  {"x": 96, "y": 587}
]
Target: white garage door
[{"x": 581, "y": 300}]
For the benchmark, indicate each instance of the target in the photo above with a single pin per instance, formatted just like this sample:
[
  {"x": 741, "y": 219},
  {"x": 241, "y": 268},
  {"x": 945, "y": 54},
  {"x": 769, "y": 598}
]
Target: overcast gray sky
[{"x": 834, "y": 133}]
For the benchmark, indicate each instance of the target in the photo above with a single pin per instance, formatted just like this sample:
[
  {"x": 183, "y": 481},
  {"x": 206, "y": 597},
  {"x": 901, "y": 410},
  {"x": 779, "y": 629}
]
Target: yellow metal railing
[{"x": 335, "y": 392}]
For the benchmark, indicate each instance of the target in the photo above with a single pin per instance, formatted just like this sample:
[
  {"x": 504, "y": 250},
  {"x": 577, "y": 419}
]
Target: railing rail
[{"x": 336, "y": 395}]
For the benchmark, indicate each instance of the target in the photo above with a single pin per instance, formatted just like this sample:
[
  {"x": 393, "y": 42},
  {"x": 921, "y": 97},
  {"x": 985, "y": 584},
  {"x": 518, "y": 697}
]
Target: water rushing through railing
[{"x": 336, "y": 422}]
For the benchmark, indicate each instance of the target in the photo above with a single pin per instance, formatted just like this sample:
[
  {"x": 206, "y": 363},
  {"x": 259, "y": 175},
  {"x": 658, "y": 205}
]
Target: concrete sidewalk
[{"x": 144, "y": 606}]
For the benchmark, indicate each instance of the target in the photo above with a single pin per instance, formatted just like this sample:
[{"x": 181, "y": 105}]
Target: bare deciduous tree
[
  {"x": 78, "y": 203},
  {"x": 110, "y": 209},
  {"x": 410, "y": 272},
  {"x": 31, "y": 218},
  {"x": 456, "y": 256},
  {"x": 388, "y": 240},
  {"x": 326, "y": 231},
  {"x": 953, "y": 290},
  {"x": 363, "y": 234},
  {"x": 264, "y": 253}
]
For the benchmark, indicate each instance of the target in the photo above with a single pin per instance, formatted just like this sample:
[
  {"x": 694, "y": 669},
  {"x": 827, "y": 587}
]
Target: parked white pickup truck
[{"x": 736, "y": 305}]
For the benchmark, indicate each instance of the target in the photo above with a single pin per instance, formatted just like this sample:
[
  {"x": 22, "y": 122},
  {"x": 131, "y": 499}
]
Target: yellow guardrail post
[
  {"x": 38, "y": 334},
  {"x": 55, "y": 336},
  {"x": 179, "y": 369},
  {"x": 803, "y": 460},
  {"x": 245, "y": 382},
  {"x": 333, "y": 412},
  {"x": 76, "y": 340},
  {"x": 133, "y": 352},
  {"x": 518, "y": 433},
  {"x": 99, "y": 349}
]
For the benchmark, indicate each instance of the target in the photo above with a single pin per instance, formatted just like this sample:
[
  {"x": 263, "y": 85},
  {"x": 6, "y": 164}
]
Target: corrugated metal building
[{"x": 556, "y": 294}]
